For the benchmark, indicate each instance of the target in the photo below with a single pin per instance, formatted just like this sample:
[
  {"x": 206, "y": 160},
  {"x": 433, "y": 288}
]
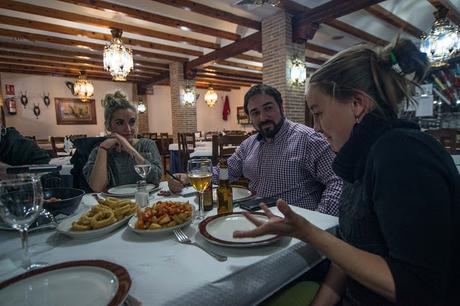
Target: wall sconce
[
  {"x": 298, "y": 73},
  {"x": 141, "y": 108},
  {"x": 189, "y": 96},
  {"x": 210, "y": 97}
]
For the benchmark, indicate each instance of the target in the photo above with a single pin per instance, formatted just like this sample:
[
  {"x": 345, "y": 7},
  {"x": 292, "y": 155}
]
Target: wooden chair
[
  {"x": 31, "y": 138},
  {"x": 57, "y": 144},
  {"x": 73, "y": 137},
  {"x": 225, "y": 146},
  {"x": 448, "y": 138},
  {"x": 208, "y": 135},
  {"x": 163, "y": 147},
  {"x": 187, "y": 145}
]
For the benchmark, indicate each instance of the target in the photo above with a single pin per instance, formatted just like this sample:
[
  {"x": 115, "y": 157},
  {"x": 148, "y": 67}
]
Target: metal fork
[{"x": 183, "y": 238}]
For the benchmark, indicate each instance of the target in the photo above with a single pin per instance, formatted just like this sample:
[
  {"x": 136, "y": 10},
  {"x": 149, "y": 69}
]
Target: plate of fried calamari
[
  {"x": 162, "y": 217},
  {"x": 101, "y": 219}
]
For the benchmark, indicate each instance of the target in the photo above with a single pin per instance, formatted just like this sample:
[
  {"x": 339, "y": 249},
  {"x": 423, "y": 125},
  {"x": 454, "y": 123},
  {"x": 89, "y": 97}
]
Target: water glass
[{"x": 21, "y": 200}]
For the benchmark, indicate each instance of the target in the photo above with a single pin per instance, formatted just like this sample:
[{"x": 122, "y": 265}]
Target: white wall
[
  {"x": 26, "y": 122},
  {"x": 208, "y": 119}
]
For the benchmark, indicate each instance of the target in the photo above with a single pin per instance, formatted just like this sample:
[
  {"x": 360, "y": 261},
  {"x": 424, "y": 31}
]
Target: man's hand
[{"x": 176, "y": 186}]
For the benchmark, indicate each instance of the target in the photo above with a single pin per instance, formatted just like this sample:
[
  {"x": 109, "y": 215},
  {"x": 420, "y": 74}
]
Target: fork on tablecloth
[{"x": 183, "y": 238}]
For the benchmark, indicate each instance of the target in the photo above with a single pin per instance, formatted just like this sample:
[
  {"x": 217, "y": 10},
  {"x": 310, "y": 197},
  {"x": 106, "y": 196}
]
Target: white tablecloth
[
  {"x": 164, "y": 272},
  {"x": 64, "y": 162}
]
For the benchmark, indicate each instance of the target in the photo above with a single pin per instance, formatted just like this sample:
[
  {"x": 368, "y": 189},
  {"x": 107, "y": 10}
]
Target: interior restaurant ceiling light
[
  {"x": 441, "y": 42},
  {"x": 298, "y": 73},
  {"x": 210, "y": 97},
  {"x": 258, "y": 2},
  {"x": 118, "y": 59},
  {"x": 189, "y": 96},
  {"x": 83, "y": 88}
]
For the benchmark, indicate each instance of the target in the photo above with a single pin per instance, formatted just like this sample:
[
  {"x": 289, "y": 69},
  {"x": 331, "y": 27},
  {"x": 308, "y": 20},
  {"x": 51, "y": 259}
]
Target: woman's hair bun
[
  {"x": 112, "y": 100},
  {"x": 409, "y": 58}
]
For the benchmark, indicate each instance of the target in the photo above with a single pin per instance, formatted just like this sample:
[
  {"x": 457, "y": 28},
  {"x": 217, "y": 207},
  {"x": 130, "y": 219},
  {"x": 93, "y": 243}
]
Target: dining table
[{"x": 166, "y": 272}]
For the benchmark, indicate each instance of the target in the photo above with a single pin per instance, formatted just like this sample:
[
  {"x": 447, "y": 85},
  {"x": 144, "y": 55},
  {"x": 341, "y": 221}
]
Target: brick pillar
[
  {"x": 142, "y": 118},
  {"x": 278, "y": 51},
  {"x": 183, "y": 117}
]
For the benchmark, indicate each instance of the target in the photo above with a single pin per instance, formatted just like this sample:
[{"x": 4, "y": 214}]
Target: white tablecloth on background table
[
  {"x": 64, "y": 162},
  {"x": 165, "y": 272}
]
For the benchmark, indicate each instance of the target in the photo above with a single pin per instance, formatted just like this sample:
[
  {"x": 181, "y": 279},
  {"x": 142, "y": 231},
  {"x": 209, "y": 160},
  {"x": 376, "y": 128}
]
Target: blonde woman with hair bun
[
  {"x": 112, "y": 162},
  {"x": 399, "y": 218}
]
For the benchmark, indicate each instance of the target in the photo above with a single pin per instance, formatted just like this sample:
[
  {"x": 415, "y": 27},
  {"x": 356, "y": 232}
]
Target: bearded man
[{"x": 284, "y": 159}]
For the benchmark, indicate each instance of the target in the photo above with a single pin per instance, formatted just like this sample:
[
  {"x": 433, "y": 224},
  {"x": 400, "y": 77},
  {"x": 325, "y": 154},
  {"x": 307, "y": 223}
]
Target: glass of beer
[{"x": 199, "y": 172}]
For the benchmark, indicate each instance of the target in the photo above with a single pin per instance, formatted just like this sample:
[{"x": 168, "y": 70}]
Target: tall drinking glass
[
  {"x": 21, "y": 200},
  {"x": 199, "y": 172}
]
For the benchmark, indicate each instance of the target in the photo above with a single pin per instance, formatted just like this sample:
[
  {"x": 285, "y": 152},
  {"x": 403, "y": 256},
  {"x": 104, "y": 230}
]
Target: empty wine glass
[
  {"x": 199, "y": 172},
  {"x": 21, "y": 200},
  {"x": 143, "y": 167}
]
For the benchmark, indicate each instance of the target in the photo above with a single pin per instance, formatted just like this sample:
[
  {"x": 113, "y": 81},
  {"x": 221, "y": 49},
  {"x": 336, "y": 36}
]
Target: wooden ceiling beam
[
  {"x": 155, "y": 18},
  {"x": 332, "y": 9},
  {"x": 313, "y": 60},
  {"x": 98, "y": 22},
  {"x": 216, "y": 82},
  {"x": 319, "y": 49},
  {"x": 216, "y": 88},
  {"x": 212, "y": 12},
  {"x": 64, "y": 68},
  {"x": 214, "y": 76},
  {"x": 27, "y": 23},
  {"x": 71, "y": 61},
  {"x": 295, "y": 8},
  {"x": 80, "y": 66},
  {"x": 250, "y": 58},
  {"x": 159, "y": 78},
  {"x": 76, "y": 54},
  {"x": 305, "y": 25},
  {"x": 239, "y": 65},
  {"x": 52, "y": 72},
  {"x": 453, "y": 14},
  {"x": 387, "y": 16},
  {"x": 238, "y": 73},
  {"x": 206, "y": 86},
  {"x": 248, "y": 43},
  {"x": 78, "y": 43}
]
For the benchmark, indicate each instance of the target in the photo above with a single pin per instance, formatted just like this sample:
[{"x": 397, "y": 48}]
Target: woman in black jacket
[{"x": 399, "y": 222}]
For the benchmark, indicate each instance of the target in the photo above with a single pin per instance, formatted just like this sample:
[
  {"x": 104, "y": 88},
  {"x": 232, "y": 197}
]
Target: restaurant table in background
[
  {"x": 202, "y": 149},
  {"x": 456, "y": 159},
  {"x": 165, "y": 272},
  {"x": 65, "y": 174}
]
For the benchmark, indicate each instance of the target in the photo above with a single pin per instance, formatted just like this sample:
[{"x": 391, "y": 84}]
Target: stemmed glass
[
  {"x": 21, "y": 200},
  {"x": 143, "y": 168},
  {"x": 199, "y": 172}
]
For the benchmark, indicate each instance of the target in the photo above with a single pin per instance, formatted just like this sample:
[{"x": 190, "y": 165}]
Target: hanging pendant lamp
[
  {"x": 118, "y": 59},
  {"x": 83, "y": 88}
]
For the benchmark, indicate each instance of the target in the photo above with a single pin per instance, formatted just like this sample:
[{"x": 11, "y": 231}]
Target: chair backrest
[
  {"x": 164, "y": 144},
  {"x": 83, "y": 146},
  {"x": 223, "y": 146},
  {"x": 30, "y": 137},
  {"x": 208, "y": 135},
  {"x": 186, "y": 145},
  {"x": 448, "y": 138},
  {"x": 76, "y": 136},
  {"x": 57, "y": 144}
]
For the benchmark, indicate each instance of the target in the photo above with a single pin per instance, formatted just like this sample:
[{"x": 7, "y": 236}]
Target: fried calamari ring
[
  {"x": 103, "y": 219},
  {"x": 76, "y": 226}
]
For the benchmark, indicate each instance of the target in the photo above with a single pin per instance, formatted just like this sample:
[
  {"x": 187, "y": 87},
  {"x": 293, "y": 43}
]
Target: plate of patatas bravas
[
  {"x": 109, "y": 214},
  {"x": 163, "y": 216}
]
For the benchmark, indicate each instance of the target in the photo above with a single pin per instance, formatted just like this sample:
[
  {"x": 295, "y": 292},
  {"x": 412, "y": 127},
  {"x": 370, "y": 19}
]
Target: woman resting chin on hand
[{"x": 112, "y": 163}]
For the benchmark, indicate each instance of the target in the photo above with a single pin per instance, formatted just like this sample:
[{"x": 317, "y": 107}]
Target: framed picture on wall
[
  {"x": 241, "y": 116},
  {"x": 74, "y": 111}
]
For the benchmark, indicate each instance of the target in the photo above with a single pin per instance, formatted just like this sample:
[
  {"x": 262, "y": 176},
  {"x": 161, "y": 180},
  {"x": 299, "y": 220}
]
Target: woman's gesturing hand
[{"x": 291, "y": 225}]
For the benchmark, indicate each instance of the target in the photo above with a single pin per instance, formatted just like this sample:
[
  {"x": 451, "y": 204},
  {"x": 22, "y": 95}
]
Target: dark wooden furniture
[{"x": 449, "y": 138}]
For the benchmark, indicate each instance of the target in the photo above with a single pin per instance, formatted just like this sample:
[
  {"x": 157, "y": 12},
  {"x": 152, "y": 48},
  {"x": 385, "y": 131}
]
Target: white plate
[
  {"x": 128, "y": 190},
  {"x": 239, "y": 194},
  {"x": 219, "y": 230},
  {"x": 65, "y": 227},
  {"x": 133, "y": 220},
  {"x": 91, "y": 282}
]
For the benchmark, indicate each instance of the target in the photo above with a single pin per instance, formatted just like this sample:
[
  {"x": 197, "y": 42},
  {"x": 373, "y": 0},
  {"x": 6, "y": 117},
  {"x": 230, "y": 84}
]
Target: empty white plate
[
  {"x": 89, "y": 282},
  {"x": 219, "y": 230},
  {"x": 128, "y": 190}
]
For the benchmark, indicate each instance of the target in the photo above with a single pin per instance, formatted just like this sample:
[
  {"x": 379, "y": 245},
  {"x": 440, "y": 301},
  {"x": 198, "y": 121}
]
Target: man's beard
[{"x": 270, "y": 133}]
